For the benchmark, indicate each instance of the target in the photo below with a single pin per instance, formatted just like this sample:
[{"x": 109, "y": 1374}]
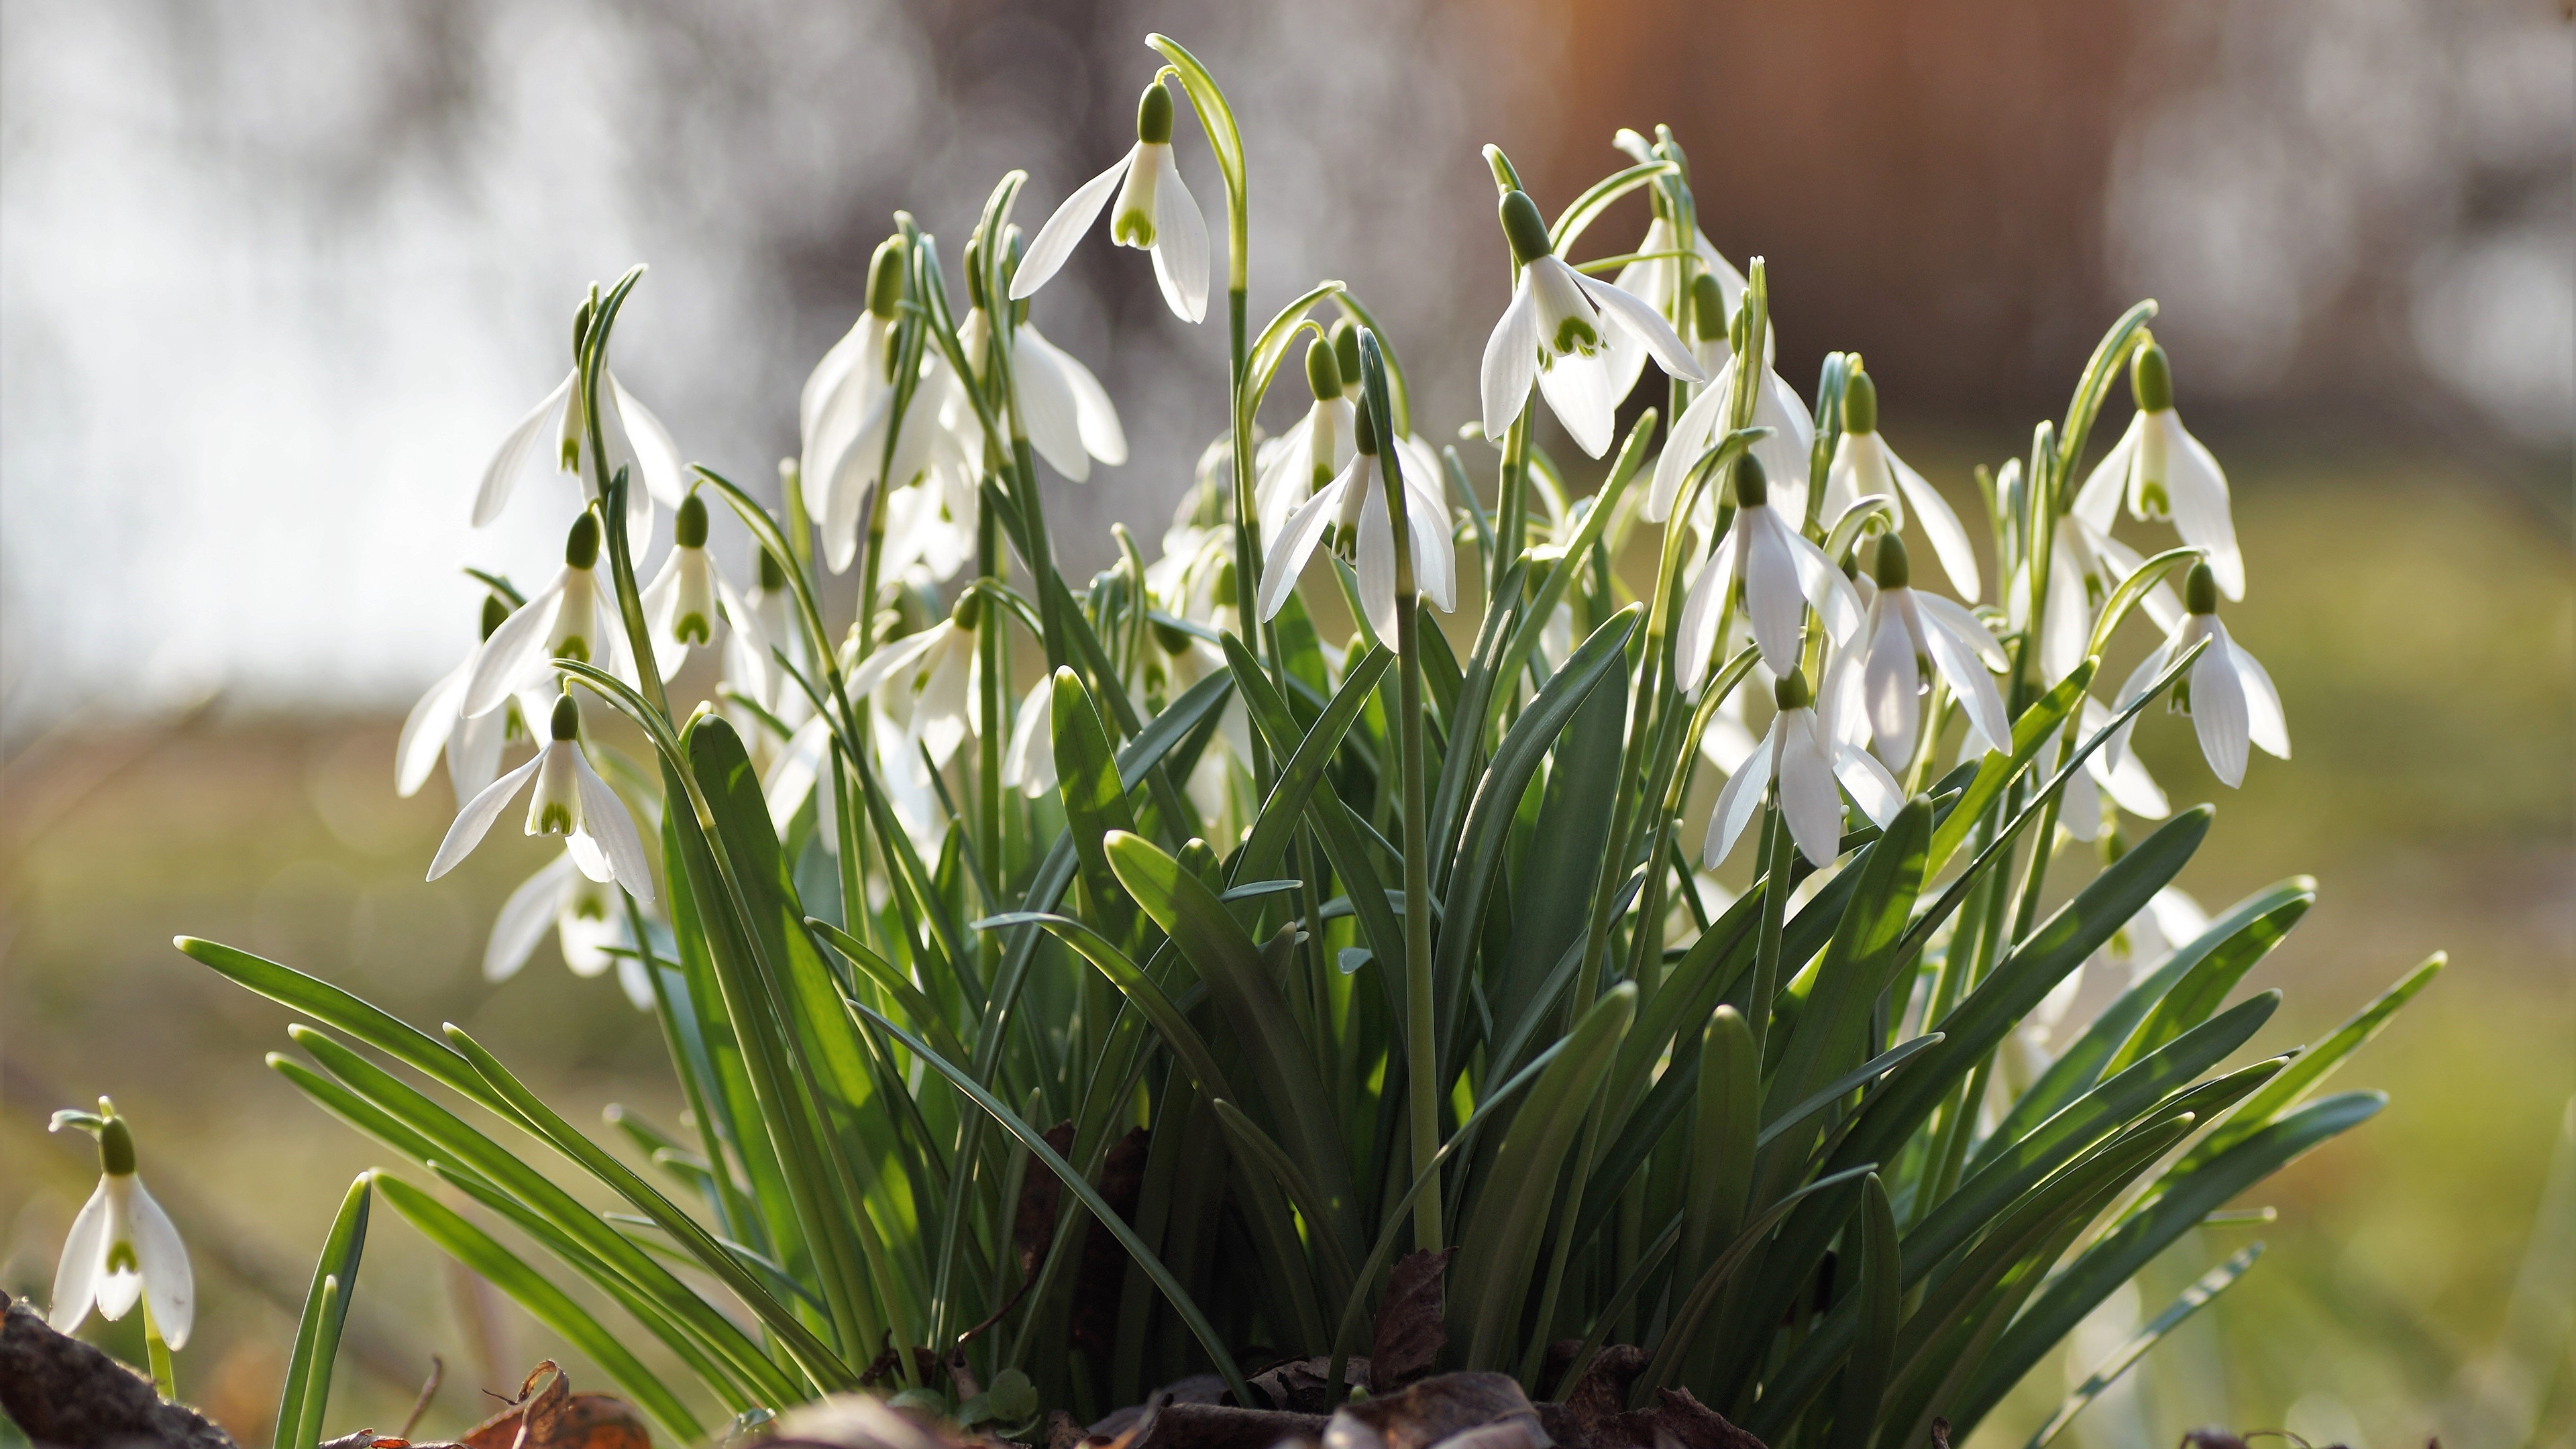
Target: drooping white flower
[
  {"x": 2229, "y": 697},
  {"x": 123, "y": 1247},
  {"x": 589, "y": 925},
  {"x": 1068, "y": 413},
  {"x": 1782, "y": 572},
  {"x": 570, "y": 800},
  {"x": 1656, "y": 281},
  {"x": 1155, "y": 212},
  {"x": 1807, "y": 762},
  {"x": 1864, "y": 465},
  {"x": 557, "y": 429},
  {"x": 1353, "y": 505},
  {"x": 1783, "y": 452},
  {"x": 933, "y": 671},
  {"x": 2164, "y": 471},
  {"x": 690, "y": 606},
  {"x": 1558, "y": 332},
  {"x": 2085, "y": 565},
  {"x": 1313, "y": 452},
  {"x": 438, "y": 726},
  {"x": 572, "y": 617},
  {"x": 1910, "y": 635}
]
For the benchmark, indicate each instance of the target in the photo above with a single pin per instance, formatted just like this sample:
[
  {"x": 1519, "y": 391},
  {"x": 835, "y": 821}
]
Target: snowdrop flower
[
  {"x": 630, "y": 432},
  {"x": 1716, "y": 290},
  {"x": 570, "y": 618},
  {"x": 844, "y": 408},
  {"x": 1864, "y": 465},
  {"x": 1782, "y": 572},
  {"x": 1806, "y": 761},
  {"x": 2163, "y": 470},
  {"x": 438, "y": 725},
  {"x": 1909, "y": 635},
  {"x": 1029, "y": 764},
  {"x": 1069, "y": 416},
  {"x": 688, "y": 605},
  {"x": 588, "y": 923},
  {"x": 2230, "y": 699},
  {"x": 2085, "y": 565},
  {"x": 1311, "y": 454},
  {"x": 1558, "y": 331},
  {"x": 1155, "y": 212},
  {"x": 571, "y": 801},
  {"x": 934, "y": 669},
  {"x": 122, "y": 1246},
  {"x": 1775, "y": 406},
  {"x": 1353, "y": 508}
]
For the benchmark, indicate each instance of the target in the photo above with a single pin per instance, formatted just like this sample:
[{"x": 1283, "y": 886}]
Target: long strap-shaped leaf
[
  {"x": 1074, "y": 1182},
  {"x": 2204, "y": 1288},
  {"x": 2310, "y": 1067},
  {"x": 300, "y": 1404}
]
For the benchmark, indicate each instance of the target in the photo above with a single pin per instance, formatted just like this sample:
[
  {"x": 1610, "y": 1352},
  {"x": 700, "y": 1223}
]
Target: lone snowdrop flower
[
  {"x": 689, "y": 605},
  {"x": 589, "y": 925},
  {"x": 571, "y": 801},
  {"x": 1069, "y": 416},
  {"x": 2087, "y": 564},
  {"x": 1782, "y": 572},
  {"x": 122, "y": 1246},
  {"x": 2105, "y": 783},
  {"x": 935, "y": 669},
  {"x": 1155, "y": 212},
  {"x": 1315, "y": 450},
  {"x": 1353, "y": 508},
  {"x": 1558, "y": 332},
  {"x": 570, "y": 618},
  {"x": 1908, "y": 629},
  {"x": 1864, "y": 465},
  {"x": 630, "y": 432},
  {"x": 2230, "y": 699},
  {"x": 1812, "y": 769},
  {"x": 1776, "y": 406},
  {"x": 2164, "y": 471}
]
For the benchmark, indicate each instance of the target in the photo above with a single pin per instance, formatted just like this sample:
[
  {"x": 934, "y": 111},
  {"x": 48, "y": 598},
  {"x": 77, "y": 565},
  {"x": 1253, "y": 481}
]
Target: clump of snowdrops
[{"x": 1344, "y": 883}]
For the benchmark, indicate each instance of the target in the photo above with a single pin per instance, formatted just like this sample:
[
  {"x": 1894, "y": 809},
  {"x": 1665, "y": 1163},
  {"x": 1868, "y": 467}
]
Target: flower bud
[
  {"x": 1524, "y": 228},
  {"x": 1752, "y": 487},
  {"x": 1708, "y": 307},
  {"x": 1154, "y": 115},
  {"x": 1891, "y": 568},
  {"x": 2151, "y": 379},
  {"x": 689, "y": 530},
  {"x": 116, "y": 1147},
  {"x": 566, "y": 724},
  {"x": 2200, "y": 590},
  {"x": 1346, "y": 351},
  {"x": 581, "y": 546},
  {"x": 885, "y": 278},
  {"x": 1323, "y": 371},
  {"x": 1792, "y": 692},
  {"x": 495, "y": 610},
  {"x": 1860, "y": 404},
  {"x": 969, "y": 611}
]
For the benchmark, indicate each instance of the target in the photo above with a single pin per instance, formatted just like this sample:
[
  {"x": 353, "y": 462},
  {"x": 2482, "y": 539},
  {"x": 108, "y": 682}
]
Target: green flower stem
[
  {"x": 1511, "y": 500},
  {"x": 1779, "y": 856},
  {"x": 165, "y": 1380}
]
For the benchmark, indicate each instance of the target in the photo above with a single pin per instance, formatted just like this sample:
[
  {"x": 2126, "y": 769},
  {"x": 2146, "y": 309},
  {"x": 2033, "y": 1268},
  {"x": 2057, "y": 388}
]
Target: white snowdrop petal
[
  {"x": 1695, "y": 633},
  {"x": 792, "y": 775},
  {"x": 525, "y": 918},
  {"x": 657, "y": 458},
  {"x": 1577, "y": 389},
  {"x": 515, "y": 650},
  {"x": 891, "y": 659},
  {"x": 1683, "y": 443},
  {"x": 426, "y": 729},
  {"x": 1047, "y": 407},
  {"x": 1180, "y": 244},
  {"x": 1963, "y": 624},
  {"x": 2218, "y": 714},
  {"x": 2097, "y": 503},
  {"x": 1837, "y": 603},
  {"x": 1296, "y": 539},
  {"x": 169, "y": 1284},
  {"x": 2196, "y": 491},
  {"x": 1511, "y": 363},
  {"x": 475, "y": 820},
  {"x": 1949, "y": 540},
  {"x": 76, "y": 1275},
  {"x": 1890, "y": 683},
  {"x": 1095, "y": 415},
  {"x": 1030, "y": 762},
  {"x": 1809, "y": 796},
  {"x": 1055, "y": 240},
  {"x": 1872, "y": 787},
  {"x": 748, "y": 665},
  {"x": 2265, "y": 723},
  {"x": 1624, "y": 311},
  {"x": 1736, "y": 802},
  {"x": 543, "y": 424},
  {"x": 1377, "y": 561},
  {"x": 2116, "y": 748},
  {"x": 1429, "y": 526},
  {"x": 474, "y": 750},
  {"x": 1956, "y": 659}
]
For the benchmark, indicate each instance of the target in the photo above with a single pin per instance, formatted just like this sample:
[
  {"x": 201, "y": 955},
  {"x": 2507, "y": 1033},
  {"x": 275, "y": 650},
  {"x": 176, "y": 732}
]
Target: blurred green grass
[{"x": 2419, "y": 618}]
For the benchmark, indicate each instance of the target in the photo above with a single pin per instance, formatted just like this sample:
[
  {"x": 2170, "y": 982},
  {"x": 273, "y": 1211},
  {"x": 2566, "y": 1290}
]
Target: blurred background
[{"x": 275, "y": 278}]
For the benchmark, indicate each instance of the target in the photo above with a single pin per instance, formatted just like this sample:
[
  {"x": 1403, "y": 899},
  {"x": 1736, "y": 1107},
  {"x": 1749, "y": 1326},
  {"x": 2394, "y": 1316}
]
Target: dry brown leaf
[{"x": 1410, "y": 1332}]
